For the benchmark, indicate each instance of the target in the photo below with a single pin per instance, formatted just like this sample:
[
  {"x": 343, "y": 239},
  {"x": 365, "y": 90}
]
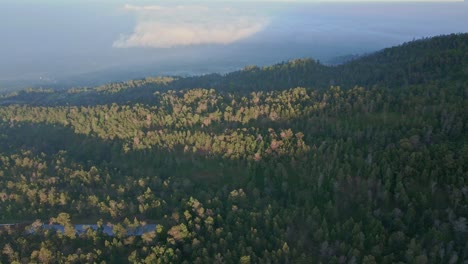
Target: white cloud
[
  {"x": 143, "y": 8},
  {"x": 169, "y": 26}
]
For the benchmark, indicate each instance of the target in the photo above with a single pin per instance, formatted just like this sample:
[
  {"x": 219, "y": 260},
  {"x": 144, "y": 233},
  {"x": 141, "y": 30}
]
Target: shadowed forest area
[{"x": 364, "y": 162}]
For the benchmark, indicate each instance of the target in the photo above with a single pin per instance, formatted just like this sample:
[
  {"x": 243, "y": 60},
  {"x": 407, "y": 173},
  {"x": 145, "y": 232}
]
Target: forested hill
[
  {"x": 436, "y": 59},
  {"x": 416, "y": 62},
  {"x": 247, "y": 167},
  {"x": 420, "y": 61}
]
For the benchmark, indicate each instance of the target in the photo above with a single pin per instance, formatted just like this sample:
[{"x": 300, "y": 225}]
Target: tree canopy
[{"x": 365, "y": 162}]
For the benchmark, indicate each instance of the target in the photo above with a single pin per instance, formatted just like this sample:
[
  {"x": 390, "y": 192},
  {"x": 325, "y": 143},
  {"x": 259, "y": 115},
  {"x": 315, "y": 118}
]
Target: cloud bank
[{"x": 170, "y": 26}]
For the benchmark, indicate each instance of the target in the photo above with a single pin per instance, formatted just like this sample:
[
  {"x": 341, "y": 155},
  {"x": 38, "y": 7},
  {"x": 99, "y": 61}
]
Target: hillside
[
  {"x": 442, "y": 58},
  {"x": 263, "y": 165},
  {"x": 417, "y": 62}
]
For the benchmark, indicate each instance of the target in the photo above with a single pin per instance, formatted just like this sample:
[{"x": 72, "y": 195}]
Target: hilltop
[{"x": 423, "y": 61}]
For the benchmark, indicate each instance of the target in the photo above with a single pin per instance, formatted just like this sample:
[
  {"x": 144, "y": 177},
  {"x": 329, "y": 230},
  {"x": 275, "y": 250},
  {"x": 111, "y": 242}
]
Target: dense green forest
[{"x": 364, "y": 162}]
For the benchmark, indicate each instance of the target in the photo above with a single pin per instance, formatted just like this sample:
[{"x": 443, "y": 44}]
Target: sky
[{"x": 47, "y": 41}]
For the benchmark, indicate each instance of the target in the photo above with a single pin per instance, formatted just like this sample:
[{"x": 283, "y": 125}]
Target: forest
[{"x": 298, "y": 162}]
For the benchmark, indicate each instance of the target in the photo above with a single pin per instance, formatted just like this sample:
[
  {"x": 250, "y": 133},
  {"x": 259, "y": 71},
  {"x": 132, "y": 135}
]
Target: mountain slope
[
  {"x": 243, "y": 174},
  {"x": 422, "y": 61}
]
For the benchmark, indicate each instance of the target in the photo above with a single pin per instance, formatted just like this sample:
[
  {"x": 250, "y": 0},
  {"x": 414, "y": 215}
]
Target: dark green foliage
[{"x": 352, "y": 174}]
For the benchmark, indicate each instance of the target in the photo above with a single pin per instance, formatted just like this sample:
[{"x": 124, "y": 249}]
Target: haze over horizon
[{"x": 49, "y": 42}]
